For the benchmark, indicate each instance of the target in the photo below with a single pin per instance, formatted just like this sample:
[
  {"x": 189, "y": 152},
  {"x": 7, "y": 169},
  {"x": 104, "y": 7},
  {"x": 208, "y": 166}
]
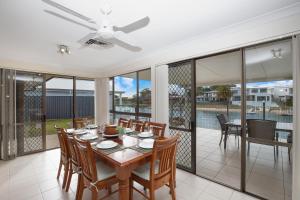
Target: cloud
[{"x": 126, "y": 85}]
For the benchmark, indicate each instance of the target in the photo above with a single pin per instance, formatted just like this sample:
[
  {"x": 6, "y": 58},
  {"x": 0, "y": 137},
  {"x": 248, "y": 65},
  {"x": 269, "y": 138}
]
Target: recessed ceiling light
[
  {"x": 277, "y": 53},
  {"x": 63, "y": 49}
]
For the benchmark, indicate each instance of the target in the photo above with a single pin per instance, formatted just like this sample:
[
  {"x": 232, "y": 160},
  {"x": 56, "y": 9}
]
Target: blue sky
[{"x": 128, "y": 85}]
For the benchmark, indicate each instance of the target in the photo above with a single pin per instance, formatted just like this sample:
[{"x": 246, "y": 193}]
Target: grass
[{"x": 50, "y": 123}]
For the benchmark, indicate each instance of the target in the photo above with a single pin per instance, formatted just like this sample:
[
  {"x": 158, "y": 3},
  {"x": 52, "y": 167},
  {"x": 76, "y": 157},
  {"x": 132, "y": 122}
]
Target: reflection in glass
[
  {"x": 218, "y": 104},
  {"x": 269, "y": 83}
]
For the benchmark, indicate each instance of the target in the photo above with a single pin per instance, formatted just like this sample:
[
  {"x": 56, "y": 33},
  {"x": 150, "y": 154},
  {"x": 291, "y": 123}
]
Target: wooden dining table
[{"x": 124, "y": 159}]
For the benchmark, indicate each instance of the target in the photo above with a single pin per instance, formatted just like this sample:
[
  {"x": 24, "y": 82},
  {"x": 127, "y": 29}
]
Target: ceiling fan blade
[
  {"x": 122, "y": 40},
  {"x": 133, "y": 26},
  {"x": 68, "y": 10},
  {"x": 69, "y": 20}
]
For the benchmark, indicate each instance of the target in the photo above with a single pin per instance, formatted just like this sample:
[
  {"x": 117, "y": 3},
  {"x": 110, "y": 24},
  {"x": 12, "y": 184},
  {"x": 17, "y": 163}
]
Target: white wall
[
  {"x": 101, "y": 101},
  {"x": 296, "y": 119},
  {"x": 160, "y": 94}
]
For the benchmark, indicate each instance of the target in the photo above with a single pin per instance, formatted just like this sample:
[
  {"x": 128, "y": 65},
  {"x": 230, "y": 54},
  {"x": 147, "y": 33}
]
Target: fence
[{"x": 60, "y": 107}]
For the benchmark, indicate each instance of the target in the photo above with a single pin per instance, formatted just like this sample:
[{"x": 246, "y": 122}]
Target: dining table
[
  {"x": 124, "y": 158},
  {"x": 286, "y": 127}
]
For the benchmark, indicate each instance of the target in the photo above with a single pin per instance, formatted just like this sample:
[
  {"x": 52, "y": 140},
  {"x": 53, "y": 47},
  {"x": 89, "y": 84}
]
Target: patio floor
[{"x": 264, "y": 176}]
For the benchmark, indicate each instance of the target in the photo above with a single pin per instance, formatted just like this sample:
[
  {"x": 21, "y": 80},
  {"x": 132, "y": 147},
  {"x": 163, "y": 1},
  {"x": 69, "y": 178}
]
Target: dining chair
[
  {"x": 74, "y": 166},
  {"x": 124, "y": 123},
  {"x": 290, "y": 141},
  {"x": 64, "y": 155},
  {"x": 261, "y": 132},
  {"x": 227, "y": 130},
  {"x": 158, "y": 129},
  {"x": 160, "y": 171},
  {"x": 96, "y": 175},
  {"x": 137, "y": 125},
  {"x": 79, "y": 123}
]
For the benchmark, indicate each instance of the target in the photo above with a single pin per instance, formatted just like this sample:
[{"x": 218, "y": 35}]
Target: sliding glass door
[
  {"x": 218, "y": 97},
  {"x": 269, "y": 89},
  {"x": 30, "y": 112},
  {"x": 59, "y": 106}
]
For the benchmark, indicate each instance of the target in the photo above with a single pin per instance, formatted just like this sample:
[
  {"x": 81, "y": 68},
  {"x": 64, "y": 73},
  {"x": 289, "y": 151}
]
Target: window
[
  {"x": 254, "y": 90},
  {"x": 130, "y": 96},
  {"x": 261, "y": 98},
  {"x": 263, "y": 90}
]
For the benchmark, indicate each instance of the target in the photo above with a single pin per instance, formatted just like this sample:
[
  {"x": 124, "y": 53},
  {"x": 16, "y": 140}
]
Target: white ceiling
[
  {"x": 28, "y": 35},
  {"x": 260, "y": 65}
]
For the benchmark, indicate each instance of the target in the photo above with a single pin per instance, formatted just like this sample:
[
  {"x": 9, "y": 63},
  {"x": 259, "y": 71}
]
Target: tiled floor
[
  {"x": 264, "y": 177},
  {"x": 33, "y": 177}
]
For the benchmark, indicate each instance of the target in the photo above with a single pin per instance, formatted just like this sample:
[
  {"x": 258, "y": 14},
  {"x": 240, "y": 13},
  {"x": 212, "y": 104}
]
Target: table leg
[
  {"x": 124, "y": 189},
  {"x": 225, "y": 139},
  {"x": 124, "y": 176}
]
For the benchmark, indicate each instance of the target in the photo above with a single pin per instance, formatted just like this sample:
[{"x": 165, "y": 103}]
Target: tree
[{"x": 224, "y": 93}]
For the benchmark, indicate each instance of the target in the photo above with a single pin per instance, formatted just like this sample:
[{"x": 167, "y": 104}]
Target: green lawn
[{"x": 61, "y": 123}]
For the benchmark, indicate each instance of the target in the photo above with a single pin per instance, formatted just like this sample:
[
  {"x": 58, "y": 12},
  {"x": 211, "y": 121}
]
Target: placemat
[
  {"x": 111, "y": 150},
  {"x": 141, "y": 150}
]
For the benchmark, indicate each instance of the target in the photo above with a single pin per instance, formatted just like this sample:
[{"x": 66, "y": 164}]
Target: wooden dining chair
[
  {"x": 79, "y": 123},
  {"x": 137, "y": 125},
  {"x": 74, "y": 166},
  {"x": 96, "y": 175},
  {"x": 124, "y": 123},
  {"x": 160, "y": 171},
  {"x": 158, "y": 129},
  {"x": 64, "y": 155}
]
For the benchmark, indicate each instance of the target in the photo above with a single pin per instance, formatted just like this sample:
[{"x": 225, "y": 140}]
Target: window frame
[{"x": 137, "y": 113}]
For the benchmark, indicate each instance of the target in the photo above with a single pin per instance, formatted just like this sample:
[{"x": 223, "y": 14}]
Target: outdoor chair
[
  {"x": 160, "y": 171},
  {"x": 227, "y": 130},
  {"x": 261, "y": 132}
]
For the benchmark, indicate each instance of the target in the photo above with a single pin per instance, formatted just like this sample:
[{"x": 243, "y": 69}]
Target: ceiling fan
[{"x": 106, "y": 34}]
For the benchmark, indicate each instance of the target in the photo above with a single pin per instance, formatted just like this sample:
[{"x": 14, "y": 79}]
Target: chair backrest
[
  {"x": 137, "y": 125},
  {"x": 62, "y": 138},
  {"x": 87, "y": 159},
  {"x": 158, "y": 129},
  {"x": 222, "y": 121},
  {"x": 164, "y": 155},
  {"x": 261, "y": 129},
  {"x": 79, "y": 123},
  {"x": 72, "y": 150},
  {"x": 124, "y": 123}
]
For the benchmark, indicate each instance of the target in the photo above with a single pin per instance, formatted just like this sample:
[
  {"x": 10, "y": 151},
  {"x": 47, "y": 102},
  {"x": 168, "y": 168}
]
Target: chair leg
[
  {"x": 59, "y": 169},
  {"x": 130, "y": 189},
  {"x": 66, "y": 172},
  {"x": 221, "y": 138},
  {"x": 289, "y": 152},
  {"x": 248, "y": 150},
  {"x": 69, "y": 178},
  {"x": 152, "y": 193},
  {"x": 94, "y": 195},
  {"x": 80, "y": 187},
  {"x": 274, "y": 150},
  {"x": 172, "y": 188}
]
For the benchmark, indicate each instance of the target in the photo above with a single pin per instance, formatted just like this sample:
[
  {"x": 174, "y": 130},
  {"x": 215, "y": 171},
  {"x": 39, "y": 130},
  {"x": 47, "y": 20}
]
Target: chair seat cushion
[
  {"x": 104, "y": 171},
  {"x": 144, "y": 171}
]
